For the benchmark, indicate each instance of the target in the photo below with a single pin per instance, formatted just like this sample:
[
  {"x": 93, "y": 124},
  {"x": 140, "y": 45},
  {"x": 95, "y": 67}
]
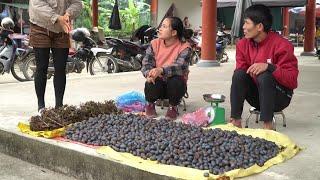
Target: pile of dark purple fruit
[
  {"x": 54, "y": 118},
  {"x": 174, "y": 143}
]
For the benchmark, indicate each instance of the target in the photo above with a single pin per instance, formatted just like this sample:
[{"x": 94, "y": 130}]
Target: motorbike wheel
[
  {"x": 194, "y": 58},
  {"x": 17, "y": 69},
  {"x": 224, "y": 58},
  {"x": 102, "y": 65},
  {"x": 29, "y": 68},
  {"x": 229, "y": 39}
]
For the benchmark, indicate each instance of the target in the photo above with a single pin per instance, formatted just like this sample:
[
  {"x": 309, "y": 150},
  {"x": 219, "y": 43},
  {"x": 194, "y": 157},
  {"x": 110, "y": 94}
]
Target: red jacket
[{"x": 274, "y": 49}]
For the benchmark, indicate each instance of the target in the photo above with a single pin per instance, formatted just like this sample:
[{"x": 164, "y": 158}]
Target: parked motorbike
[
  {"x": 195, "y": 42},
  {"x": 144, "y": 34},
  {"x": 318, "y": 54},
  {"x": 125, "y": 55},
  {"x": 221, "y": 44},
  {"x": 10, "y": 55},
  {"x": 221, "y": 53},
  {"x": 87, "y": 55},
  {"x": 224, "y": 35}
]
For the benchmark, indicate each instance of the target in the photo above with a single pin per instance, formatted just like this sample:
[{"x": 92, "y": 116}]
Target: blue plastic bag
[{"x": 130, "y": 99}]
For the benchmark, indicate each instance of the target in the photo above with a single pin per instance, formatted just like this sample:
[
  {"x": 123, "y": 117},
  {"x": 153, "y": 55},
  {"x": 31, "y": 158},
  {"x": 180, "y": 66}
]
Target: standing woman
[{"x": 50, "y": 27}]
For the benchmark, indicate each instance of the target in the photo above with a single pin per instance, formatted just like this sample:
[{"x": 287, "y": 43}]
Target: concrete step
[
  {"x": 12, "y": 168},
  {"x": 68, "y": 158}
]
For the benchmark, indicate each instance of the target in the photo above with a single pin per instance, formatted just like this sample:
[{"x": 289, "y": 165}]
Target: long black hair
[{"x": 177, "y": 24}]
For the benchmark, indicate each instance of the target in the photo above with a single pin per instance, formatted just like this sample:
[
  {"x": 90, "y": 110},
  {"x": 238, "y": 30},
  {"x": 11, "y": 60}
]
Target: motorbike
[
  {"x": 128, "y": 55},
  {"x": 221, "y": 54},
  {"x": 144, "y": 34},
  {"x": 125, "y": 55},
  {"x": 10, "y": 55},
  {"x": 318, "y": 54},
  {"x": 195, "y": 42},
  {"x": 221, "y": 43},
  {"x": 88, "y": 54},
  {"x": 224, "y": 35}
]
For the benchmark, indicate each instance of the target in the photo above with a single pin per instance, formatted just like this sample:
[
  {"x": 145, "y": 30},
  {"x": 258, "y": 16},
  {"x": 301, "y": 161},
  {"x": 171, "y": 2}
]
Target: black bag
[{"x": 114, "y": 22}]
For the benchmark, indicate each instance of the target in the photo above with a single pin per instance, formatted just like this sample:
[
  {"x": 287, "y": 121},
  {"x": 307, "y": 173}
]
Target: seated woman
[{"x": 166, "y": 67}]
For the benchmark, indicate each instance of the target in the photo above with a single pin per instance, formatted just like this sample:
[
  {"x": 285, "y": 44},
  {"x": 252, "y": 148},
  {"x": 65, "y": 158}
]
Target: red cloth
[
  {"x": 274, "y": 49},
  {"x": 76, "y": 142}
]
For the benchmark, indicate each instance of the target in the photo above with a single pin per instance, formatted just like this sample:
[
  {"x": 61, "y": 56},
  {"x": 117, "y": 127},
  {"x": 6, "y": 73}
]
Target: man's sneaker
[
  {"x": 151, "y": 110},
  {"x": 172, "y": 113}
]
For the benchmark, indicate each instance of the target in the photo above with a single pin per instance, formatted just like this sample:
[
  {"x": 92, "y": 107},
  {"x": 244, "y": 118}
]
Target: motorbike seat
[
  {"x": 137, "y": 43},
  {"x": 142, "y": 46}
]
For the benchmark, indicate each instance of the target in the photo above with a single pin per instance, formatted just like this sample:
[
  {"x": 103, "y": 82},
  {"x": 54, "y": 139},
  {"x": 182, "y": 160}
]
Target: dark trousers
[
  {"x": 60, "y": 56},
  {"x": 173, "y": 89},
  {"x": 266, "y": 95}
]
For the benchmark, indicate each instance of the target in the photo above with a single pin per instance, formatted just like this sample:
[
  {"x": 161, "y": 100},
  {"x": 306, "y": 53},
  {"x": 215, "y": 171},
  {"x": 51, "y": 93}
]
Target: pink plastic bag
[
  {"x": 135, "y": 107},
  {"x": 197, "y": 118}
]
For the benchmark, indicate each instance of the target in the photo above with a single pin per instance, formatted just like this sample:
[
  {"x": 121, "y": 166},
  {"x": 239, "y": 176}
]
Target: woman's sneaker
[
  {"x": 151, "y": 110},
  {"x": 40, "y": 111},
  {"x": 172, "y": 113}
]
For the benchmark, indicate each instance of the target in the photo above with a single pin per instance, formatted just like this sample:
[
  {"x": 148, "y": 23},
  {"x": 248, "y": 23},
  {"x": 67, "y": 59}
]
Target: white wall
[{"x": 190, "y": 8}]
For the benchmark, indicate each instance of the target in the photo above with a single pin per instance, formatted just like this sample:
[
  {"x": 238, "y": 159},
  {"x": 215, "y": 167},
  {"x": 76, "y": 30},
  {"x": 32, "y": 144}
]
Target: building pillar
[
  {"x": 208, "y": 45},
  {"x": 154, "y": 13},
  {"x": 310, "y": 25},
  {"x": 285, "y": 21},
  {"x": 95, "y": 13}
]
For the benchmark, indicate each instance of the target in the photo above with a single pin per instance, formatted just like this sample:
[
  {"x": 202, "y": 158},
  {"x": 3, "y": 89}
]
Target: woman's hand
[
  {"x": 156, "y": 72},
  {"x": 64, "y": 22},
  {"x": 153, "y": 74},
  {"x": 66, "y": 17},
  {"x": 151, "y": 80}
]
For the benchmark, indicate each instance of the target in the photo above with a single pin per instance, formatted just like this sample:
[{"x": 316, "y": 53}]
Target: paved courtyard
[{"x": 18, "y": 103}]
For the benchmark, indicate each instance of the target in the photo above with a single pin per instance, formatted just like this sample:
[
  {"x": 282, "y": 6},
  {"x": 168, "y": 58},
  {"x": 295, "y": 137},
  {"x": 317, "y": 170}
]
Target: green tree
[
  {"x": 133, "y": 14},
  {"x": 85, "y": 18}
]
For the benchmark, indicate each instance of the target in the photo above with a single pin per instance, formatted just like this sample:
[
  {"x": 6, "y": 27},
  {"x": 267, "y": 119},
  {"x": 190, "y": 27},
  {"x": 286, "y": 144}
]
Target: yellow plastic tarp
[
  {"x": 24, "y": 128},
  {"x": 290, "y": 150}
]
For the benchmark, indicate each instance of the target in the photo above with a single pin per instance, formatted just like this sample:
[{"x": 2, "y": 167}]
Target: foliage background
[{"x": 133, "y": 14}]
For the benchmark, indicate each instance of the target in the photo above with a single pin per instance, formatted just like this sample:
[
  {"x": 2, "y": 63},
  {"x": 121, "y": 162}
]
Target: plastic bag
[
  {"x": 197, "y": 118},
  {"x": 132, "y": 101},
  {"x": 135, "y": 107}
]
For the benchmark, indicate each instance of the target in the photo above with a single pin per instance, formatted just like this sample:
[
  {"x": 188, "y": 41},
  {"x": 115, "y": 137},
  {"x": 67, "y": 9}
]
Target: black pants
[
  {"x": 60, "y": 56},
  {"x": 266, "y": 95},
  {"x": 173, "y": 89}
]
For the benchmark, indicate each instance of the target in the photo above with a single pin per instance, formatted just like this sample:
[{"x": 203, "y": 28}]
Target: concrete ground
[
  {"x": 18, "y": 103},
  {"x": 15, "y": 169}
]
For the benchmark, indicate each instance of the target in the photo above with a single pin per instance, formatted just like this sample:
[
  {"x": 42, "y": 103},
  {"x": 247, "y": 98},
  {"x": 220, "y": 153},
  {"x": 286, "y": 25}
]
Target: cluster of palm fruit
[{"x": 54, "y": 118}]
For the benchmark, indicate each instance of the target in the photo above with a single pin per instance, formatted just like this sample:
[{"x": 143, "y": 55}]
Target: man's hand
[
  {"x": 64, "y": 23},
  {"x": 257, "y": 68}
]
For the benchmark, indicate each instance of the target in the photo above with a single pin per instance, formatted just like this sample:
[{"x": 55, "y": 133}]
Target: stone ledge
[{"x": 68, "y": 161}]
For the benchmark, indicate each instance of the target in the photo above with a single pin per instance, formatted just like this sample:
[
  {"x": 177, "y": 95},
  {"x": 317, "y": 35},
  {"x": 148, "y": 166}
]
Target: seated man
[
  {"x": 165, "y": 67},
  {"x": 266, "y": 68}
]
